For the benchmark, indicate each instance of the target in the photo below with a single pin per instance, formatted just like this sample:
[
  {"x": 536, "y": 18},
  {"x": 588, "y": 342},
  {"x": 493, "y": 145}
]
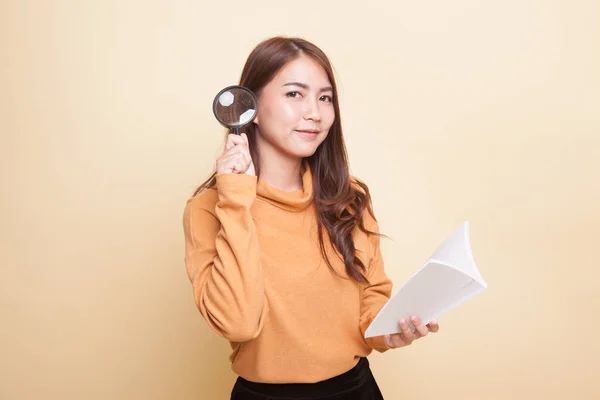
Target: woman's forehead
[{"x": 303, "y": 70}]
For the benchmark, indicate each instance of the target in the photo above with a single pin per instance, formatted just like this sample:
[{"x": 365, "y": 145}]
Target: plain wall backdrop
[{"x": 452, "y": 111}]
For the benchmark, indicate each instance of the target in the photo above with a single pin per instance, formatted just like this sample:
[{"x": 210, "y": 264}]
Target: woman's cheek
[{"x": 291, "y": 113}]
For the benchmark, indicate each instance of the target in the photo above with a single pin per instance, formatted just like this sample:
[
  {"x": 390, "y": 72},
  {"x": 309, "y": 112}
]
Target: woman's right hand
[{"x": 236, "y": 158}]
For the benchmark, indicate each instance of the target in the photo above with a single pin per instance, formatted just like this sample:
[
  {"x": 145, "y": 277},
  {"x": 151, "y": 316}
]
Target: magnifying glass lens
[{"x": 235, "y": 107}]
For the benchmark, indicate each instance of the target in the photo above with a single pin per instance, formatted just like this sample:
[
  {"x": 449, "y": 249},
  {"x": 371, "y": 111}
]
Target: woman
[{"x": 282, "y": 247}]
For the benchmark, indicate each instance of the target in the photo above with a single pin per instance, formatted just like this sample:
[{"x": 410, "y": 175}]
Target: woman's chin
[{"x": 303, "y": 153}]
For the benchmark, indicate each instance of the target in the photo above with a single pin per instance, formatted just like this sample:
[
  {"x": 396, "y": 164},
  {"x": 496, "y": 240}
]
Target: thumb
[
  {"x": 229, "y": 144},
  {"x": 386, "y": 339}
]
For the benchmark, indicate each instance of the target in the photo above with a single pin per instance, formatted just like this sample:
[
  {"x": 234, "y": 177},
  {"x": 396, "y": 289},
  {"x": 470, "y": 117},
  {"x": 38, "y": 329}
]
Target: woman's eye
[
  {"x": 293, "y": 94},
  {"x": 328, "y": 99}
]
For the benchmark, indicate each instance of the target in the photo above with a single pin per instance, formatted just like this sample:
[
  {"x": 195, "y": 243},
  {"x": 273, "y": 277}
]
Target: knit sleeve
[
  {"x": 379, "y": 289},
  {"x": 222, "y": 257}
]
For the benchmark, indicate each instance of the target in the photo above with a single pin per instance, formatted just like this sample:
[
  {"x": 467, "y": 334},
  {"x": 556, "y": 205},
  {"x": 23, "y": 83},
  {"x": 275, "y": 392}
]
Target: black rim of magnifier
[{"x": 236, "y": 129}]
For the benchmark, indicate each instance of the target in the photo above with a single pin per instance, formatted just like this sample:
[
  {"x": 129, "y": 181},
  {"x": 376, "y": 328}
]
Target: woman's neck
[{"x": 280, "y": 171}]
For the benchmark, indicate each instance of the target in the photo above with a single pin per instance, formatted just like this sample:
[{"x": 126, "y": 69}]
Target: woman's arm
[
  {"x": 222, "y": 257},
  {"x": 377, "y": 294},
  {"x": 379, "y": 290}
]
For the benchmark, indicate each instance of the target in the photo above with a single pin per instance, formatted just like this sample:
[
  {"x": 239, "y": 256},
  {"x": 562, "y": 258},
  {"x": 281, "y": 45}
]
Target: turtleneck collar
[{"x": 295, "y": 201}]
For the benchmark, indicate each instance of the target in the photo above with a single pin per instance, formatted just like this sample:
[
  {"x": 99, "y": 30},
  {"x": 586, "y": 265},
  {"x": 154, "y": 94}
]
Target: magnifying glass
[{"x": 235, "y": 107}]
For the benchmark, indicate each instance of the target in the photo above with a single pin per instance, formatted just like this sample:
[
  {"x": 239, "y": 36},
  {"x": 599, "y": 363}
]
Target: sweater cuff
[
  {"x": 375, "y": 342},
  {"x": 237, "y": 182},
  {"x": 236, "y": 188},
  {"x": 378, "y": 343}
]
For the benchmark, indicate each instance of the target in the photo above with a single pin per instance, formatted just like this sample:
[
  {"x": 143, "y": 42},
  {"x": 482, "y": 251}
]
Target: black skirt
[{"x": 356, "y": 384}]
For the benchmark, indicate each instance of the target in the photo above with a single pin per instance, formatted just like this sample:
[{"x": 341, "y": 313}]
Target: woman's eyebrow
[{"x": 305, "y": 86}]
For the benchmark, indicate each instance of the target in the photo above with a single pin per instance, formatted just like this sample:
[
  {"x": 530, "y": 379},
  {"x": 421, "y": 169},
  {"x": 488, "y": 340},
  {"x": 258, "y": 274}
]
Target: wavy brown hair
[{"x": 340, "y": 201}]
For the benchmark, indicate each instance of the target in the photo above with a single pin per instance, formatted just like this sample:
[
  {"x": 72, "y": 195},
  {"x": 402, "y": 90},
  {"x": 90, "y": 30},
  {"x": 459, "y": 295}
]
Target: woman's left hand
[{"x": 406, "y": 337}]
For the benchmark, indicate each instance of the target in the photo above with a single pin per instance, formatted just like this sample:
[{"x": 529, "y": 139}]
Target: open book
[{"x": 448, "y": 279}]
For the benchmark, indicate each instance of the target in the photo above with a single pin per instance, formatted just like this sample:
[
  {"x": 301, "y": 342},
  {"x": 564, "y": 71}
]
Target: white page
[{"x": 447, "y": 279}]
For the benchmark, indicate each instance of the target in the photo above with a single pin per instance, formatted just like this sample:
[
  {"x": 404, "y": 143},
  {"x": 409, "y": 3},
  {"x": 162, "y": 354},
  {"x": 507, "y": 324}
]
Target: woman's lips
[{"x": 308, "y": 133}]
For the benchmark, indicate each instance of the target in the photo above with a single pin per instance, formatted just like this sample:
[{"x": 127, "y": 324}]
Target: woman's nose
[{"x": 312, "y": 111}]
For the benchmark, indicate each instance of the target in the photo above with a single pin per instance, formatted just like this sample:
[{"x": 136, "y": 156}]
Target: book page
[{"x": 447, "y": 279}]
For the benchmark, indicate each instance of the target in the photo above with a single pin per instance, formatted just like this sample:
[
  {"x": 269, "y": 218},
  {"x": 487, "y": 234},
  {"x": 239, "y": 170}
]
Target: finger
[
  {"x": 236, "y": 163},
  {"x": 235, "y": 150},
  {"x": 237, "y": 166},
  {"x": 236, "y": 154},
  {"x": 233, "y": 140},
  {"x": 226, "y": 166},
  {"x": 242, "y": 157},
  {"x": 237, "y": 139},
  {"x": 386, "y": 339},
  {"x": 420, "y": 329},
  {"x": 396, "y": 340},
  {"x": 399, "y": 341},
  {"x": 433, "y": 326},
  {"x": 406, "y": 333},
  {"x": 229, "y": 143}
]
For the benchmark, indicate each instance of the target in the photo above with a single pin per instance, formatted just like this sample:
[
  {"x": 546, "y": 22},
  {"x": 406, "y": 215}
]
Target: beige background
[{"x": 453, "y": 111}]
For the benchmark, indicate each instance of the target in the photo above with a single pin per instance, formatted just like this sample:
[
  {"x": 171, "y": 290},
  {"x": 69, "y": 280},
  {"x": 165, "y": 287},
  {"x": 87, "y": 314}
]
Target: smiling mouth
[{"x": 308, "y": 131}]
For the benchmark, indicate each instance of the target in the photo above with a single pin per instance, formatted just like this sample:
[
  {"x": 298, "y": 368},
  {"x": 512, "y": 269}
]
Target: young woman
[{"x": 282, "y": 246}]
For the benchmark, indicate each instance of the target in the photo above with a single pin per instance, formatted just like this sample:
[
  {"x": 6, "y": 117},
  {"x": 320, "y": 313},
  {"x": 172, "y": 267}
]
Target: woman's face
[{"x": 295, "y": 109}]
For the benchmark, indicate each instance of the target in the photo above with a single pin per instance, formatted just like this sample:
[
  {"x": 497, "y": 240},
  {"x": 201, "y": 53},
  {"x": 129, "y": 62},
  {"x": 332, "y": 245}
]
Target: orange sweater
[{"x": 259, "y": 280}]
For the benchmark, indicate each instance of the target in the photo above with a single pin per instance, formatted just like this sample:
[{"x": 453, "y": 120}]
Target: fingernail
[
  {"x": 402, "y": 321},
  {"x": 414, "y": 319}
]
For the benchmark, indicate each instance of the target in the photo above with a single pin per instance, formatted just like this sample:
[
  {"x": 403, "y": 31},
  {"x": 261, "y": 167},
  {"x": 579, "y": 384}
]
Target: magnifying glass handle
[{"x": 236, "y": 130}]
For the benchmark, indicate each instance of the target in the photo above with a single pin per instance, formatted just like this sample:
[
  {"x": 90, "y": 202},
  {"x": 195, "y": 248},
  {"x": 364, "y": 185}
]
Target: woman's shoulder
[{"x": 368, "y": 217}]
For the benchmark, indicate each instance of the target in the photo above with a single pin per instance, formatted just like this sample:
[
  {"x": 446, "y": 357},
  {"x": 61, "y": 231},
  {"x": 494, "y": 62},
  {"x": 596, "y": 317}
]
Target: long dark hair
[{"x": 340, "y": 202}]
